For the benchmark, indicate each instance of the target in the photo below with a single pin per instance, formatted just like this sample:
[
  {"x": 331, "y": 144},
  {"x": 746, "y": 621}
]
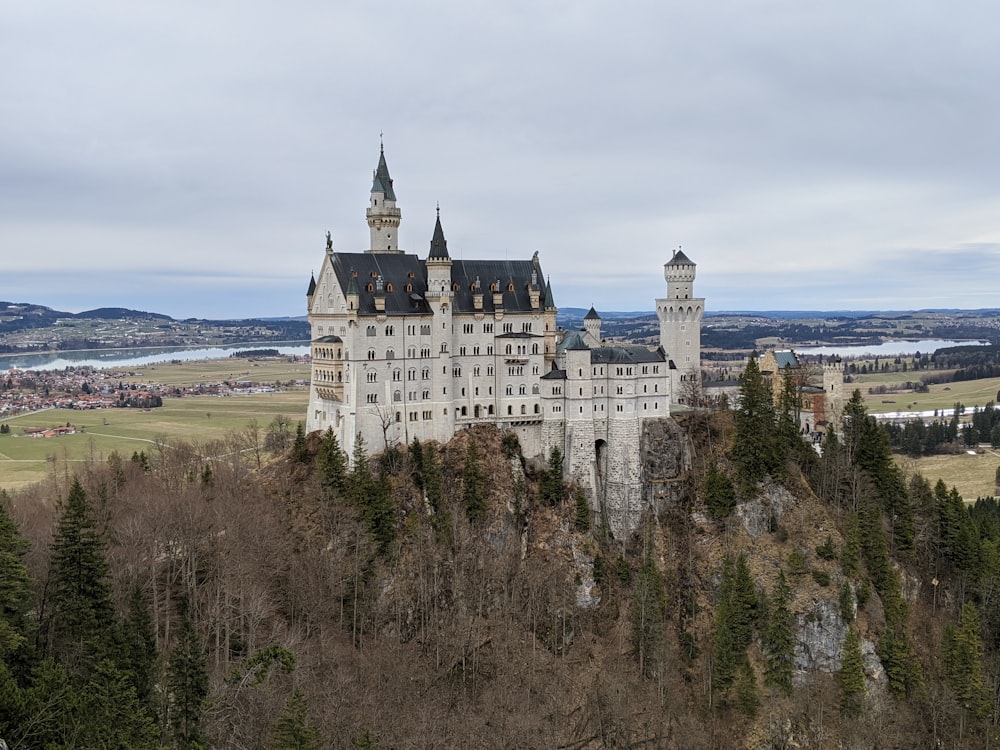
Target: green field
[
  {"x": 941, "y": 397},
  {"x": 973, "y": 476},
  {"x": 190, "y": 419}
]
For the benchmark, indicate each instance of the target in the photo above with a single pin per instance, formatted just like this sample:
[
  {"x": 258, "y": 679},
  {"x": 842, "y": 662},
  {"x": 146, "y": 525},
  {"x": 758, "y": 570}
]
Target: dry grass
[{"x": 973, "y": 476}]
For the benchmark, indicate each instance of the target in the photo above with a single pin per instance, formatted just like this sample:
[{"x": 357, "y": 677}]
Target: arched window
[
  {"x": 397, "y": 396},
  {"x": 390, "y": 354},
  {"x": 371, "y": 354}
]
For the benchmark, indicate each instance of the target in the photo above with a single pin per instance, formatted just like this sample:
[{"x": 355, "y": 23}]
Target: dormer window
[
  {"x": 388, "y": 287},
  {"x": 510, "y": 287},
  {"x": 409, "y": 287},
  {"x": 371, "y": 287},
  {"x": 454, "y": 287}
]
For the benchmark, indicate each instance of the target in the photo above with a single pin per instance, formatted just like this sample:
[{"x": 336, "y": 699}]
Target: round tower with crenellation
[{"x": 680, "y": 315}]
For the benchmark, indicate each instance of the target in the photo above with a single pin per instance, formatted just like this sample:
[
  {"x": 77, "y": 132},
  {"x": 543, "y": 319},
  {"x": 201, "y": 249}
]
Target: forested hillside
[{"x": 452, "y": 596}]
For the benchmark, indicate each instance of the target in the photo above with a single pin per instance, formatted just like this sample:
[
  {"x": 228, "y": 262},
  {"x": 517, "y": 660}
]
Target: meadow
[{"x": 188, "y": 419}]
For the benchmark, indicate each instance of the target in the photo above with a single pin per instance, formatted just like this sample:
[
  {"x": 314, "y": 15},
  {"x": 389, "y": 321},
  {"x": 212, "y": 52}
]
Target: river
[
  {"x": 887, "y": 348},
  {"x": 138, "y": 356}
]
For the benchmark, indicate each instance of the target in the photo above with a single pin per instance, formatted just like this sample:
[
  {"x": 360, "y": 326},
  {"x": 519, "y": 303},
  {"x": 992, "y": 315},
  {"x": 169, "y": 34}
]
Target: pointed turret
[
  {"x": 382, "y": 182},
  {"x": 439, "y": 245},
  {"x": 592, "y": 325},
  {"x": 383, "y": 216},
  {"x": 312, "y": 285},
  {"x": 550, "y": 303}
]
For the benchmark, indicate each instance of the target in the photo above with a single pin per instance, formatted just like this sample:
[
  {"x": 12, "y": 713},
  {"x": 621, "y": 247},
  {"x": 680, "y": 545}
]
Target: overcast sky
[{"x": 188, "y": 157}]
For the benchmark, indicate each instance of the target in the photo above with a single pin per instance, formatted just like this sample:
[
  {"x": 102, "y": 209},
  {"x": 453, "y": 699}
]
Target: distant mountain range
[{"x": 20, "y": 315}]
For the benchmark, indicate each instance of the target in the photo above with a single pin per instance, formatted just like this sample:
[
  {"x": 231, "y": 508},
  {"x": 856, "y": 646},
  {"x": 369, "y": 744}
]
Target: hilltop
[{"x": 453, "y": 595}]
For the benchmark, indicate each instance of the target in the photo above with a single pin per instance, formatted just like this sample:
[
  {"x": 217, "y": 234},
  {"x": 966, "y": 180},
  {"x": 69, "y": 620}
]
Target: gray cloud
[{"x": 835, "y": 154}]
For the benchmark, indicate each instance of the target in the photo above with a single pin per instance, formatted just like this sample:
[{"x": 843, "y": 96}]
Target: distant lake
[
  {"x": 888, "y": 349},
  {"x": 138, "y": 356}
]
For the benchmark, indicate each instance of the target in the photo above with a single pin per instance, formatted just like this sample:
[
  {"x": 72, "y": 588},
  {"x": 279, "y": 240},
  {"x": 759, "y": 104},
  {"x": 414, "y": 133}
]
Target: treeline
[{"x": 916, "y": 437}]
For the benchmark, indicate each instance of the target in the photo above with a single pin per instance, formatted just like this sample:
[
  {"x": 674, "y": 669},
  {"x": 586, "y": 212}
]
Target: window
[
  {"x": 397, "y": 396},
  {"x": 371, "y": 354},
  {"x": 489, "y": 350},
  {"x": 526, "y": 327},
  {"x": 425, "y": 353},
  {"x": 522, "y": 390},
  {"x": 487, "y": 328},
  {"x": 425, "y": 330},
  {"x": 475, "y": 371},
  {"x": 461, "y": 351},
  {"x": 411, "y": 351},
  {"x": 372, "y": 398},
  {"x": 489, "y": 370},
  {"x": 425, "y": 394},
  {"x": 390, "y": 354},
  {"x": 390, "y": 330},
  {"x": 534, "y": 348},
  {"x": 468, "y": 328},
  {"x": 425, "y": 373},
  {"x": 411, "y": 374},
  {"x": 370, "y": 331},
  {"x": 508, "y": 327},
  {"x": 397, "y": 375},
  {"x": 456, "y": 372},
  {"x": 372, "y": 376},
  {"x": 475, "y": 350},
  {"x": 510, "y": 390}
]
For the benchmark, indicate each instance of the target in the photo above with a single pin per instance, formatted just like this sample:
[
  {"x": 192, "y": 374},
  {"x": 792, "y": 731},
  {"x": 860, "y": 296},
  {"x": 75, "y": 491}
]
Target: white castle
[{"x": 405, "y": 347}]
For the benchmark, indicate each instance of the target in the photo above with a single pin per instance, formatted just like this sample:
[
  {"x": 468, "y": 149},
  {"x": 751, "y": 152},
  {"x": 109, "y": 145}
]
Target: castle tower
[
  {"x": 440, "y": 297},
  {"x": 680, "y": 317},
  {"x": 592, "y": 325},
  {"x": 383, "y": 216}
]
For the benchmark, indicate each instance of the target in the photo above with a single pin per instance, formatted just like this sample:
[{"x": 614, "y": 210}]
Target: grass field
[
  {"x": 943, "y": 396},
  {"x": 191, "y": 419},
  {"x": 972, "y": 476}
]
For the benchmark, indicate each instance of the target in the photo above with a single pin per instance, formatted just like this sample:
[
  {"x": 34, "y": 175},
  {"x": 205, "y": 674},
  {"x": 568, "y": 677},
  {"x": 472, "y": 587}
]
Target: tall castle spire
[{"x": 383, "y": 216}]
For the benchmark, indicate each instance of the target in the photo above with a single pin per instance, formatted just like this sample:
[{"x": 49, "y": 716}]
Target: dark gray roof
[
  {"x": 592, "y": 315},
  {"x": 554, "y": 374},
  {"x": 573, "y": 341},
  {"x": 550, "y": 302},
  {"x": 328, "y": 340},
  {"x": 396, "y": 269},
  {"x": 517, "y": 273},
  {"x": 626, "y": 354},
  {"x": 382, "y": 182},
  {"x": 680, "y": 259},
  {"x": 312, "y": 285}
]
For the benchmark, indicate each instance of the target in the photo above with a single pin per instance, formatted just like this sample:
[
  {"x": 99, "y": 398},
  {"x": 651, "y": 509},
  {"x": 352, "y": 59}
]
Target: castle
[{"x": 406, "y": 347}]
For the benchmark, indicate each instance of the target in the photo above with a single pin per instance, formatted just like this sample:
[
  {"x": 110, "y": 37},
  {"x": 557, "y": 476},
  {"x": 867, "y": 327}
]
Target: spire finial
[
  {"x": 439, "y": 209},
  {"x": 381, "y": 145}
]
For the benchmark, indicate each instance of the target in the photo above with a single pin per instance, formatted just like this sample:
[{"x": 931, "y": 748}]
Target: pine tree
[
  {"x": 300, "y": 451},
  {"x": 754, "y": 448},
  {"x": 473, "y": 485},
  {"x": 111, "y": 715},
  {"x": 360, "y": 483},
  {"x": 581, "y": 518},
  {"x": 851, "y": 675},
  {"x": 135, "y": 647},
  {"x": 187, "y": 682},
  {"x": 332, "y": 462},
  {"x": 15, "y": 589},
  {"x": 735, "y": 617},
  {"x": 550, "y": 488},
  {"x": 720, "y": 495},
  {"x": 292, "y": 730},
  {"x": 963, "y": 658},
  {"x": 779, "y": 639},
  {"x": 81, "y": 617}
]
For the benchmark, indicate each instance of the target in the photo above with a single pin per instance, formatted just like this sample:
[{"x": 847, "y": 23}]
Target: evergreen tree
[
  {"x": 332, "y": 462},
  {"x": 779, "y": 639},
  {"x": 754, "y": 451},
  {"x": 581, "y": 517},
  {"x": 135, "y": 651},
  {"x": 963, "y": 658},
  {"x": 15, "y": 590},
  {"x": 360, "y": 482},
  {"x": 111, "y": 715},
  {"x": 550, "y": 488},
  {"x": 300, "y": 452},
  {"x": 292, "y": 730},
  {"x": 720, "y": 495},
  {"x": 380, "y": 513},
  {"x": 902, "y": 670},
  {"x": 81, "y": 618},
  {"x": 851, "y": 675},
  {"x": 473, "y": 485},
  {"x": 735, "y": 616},
  {"x": 187, "y": 681}
]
